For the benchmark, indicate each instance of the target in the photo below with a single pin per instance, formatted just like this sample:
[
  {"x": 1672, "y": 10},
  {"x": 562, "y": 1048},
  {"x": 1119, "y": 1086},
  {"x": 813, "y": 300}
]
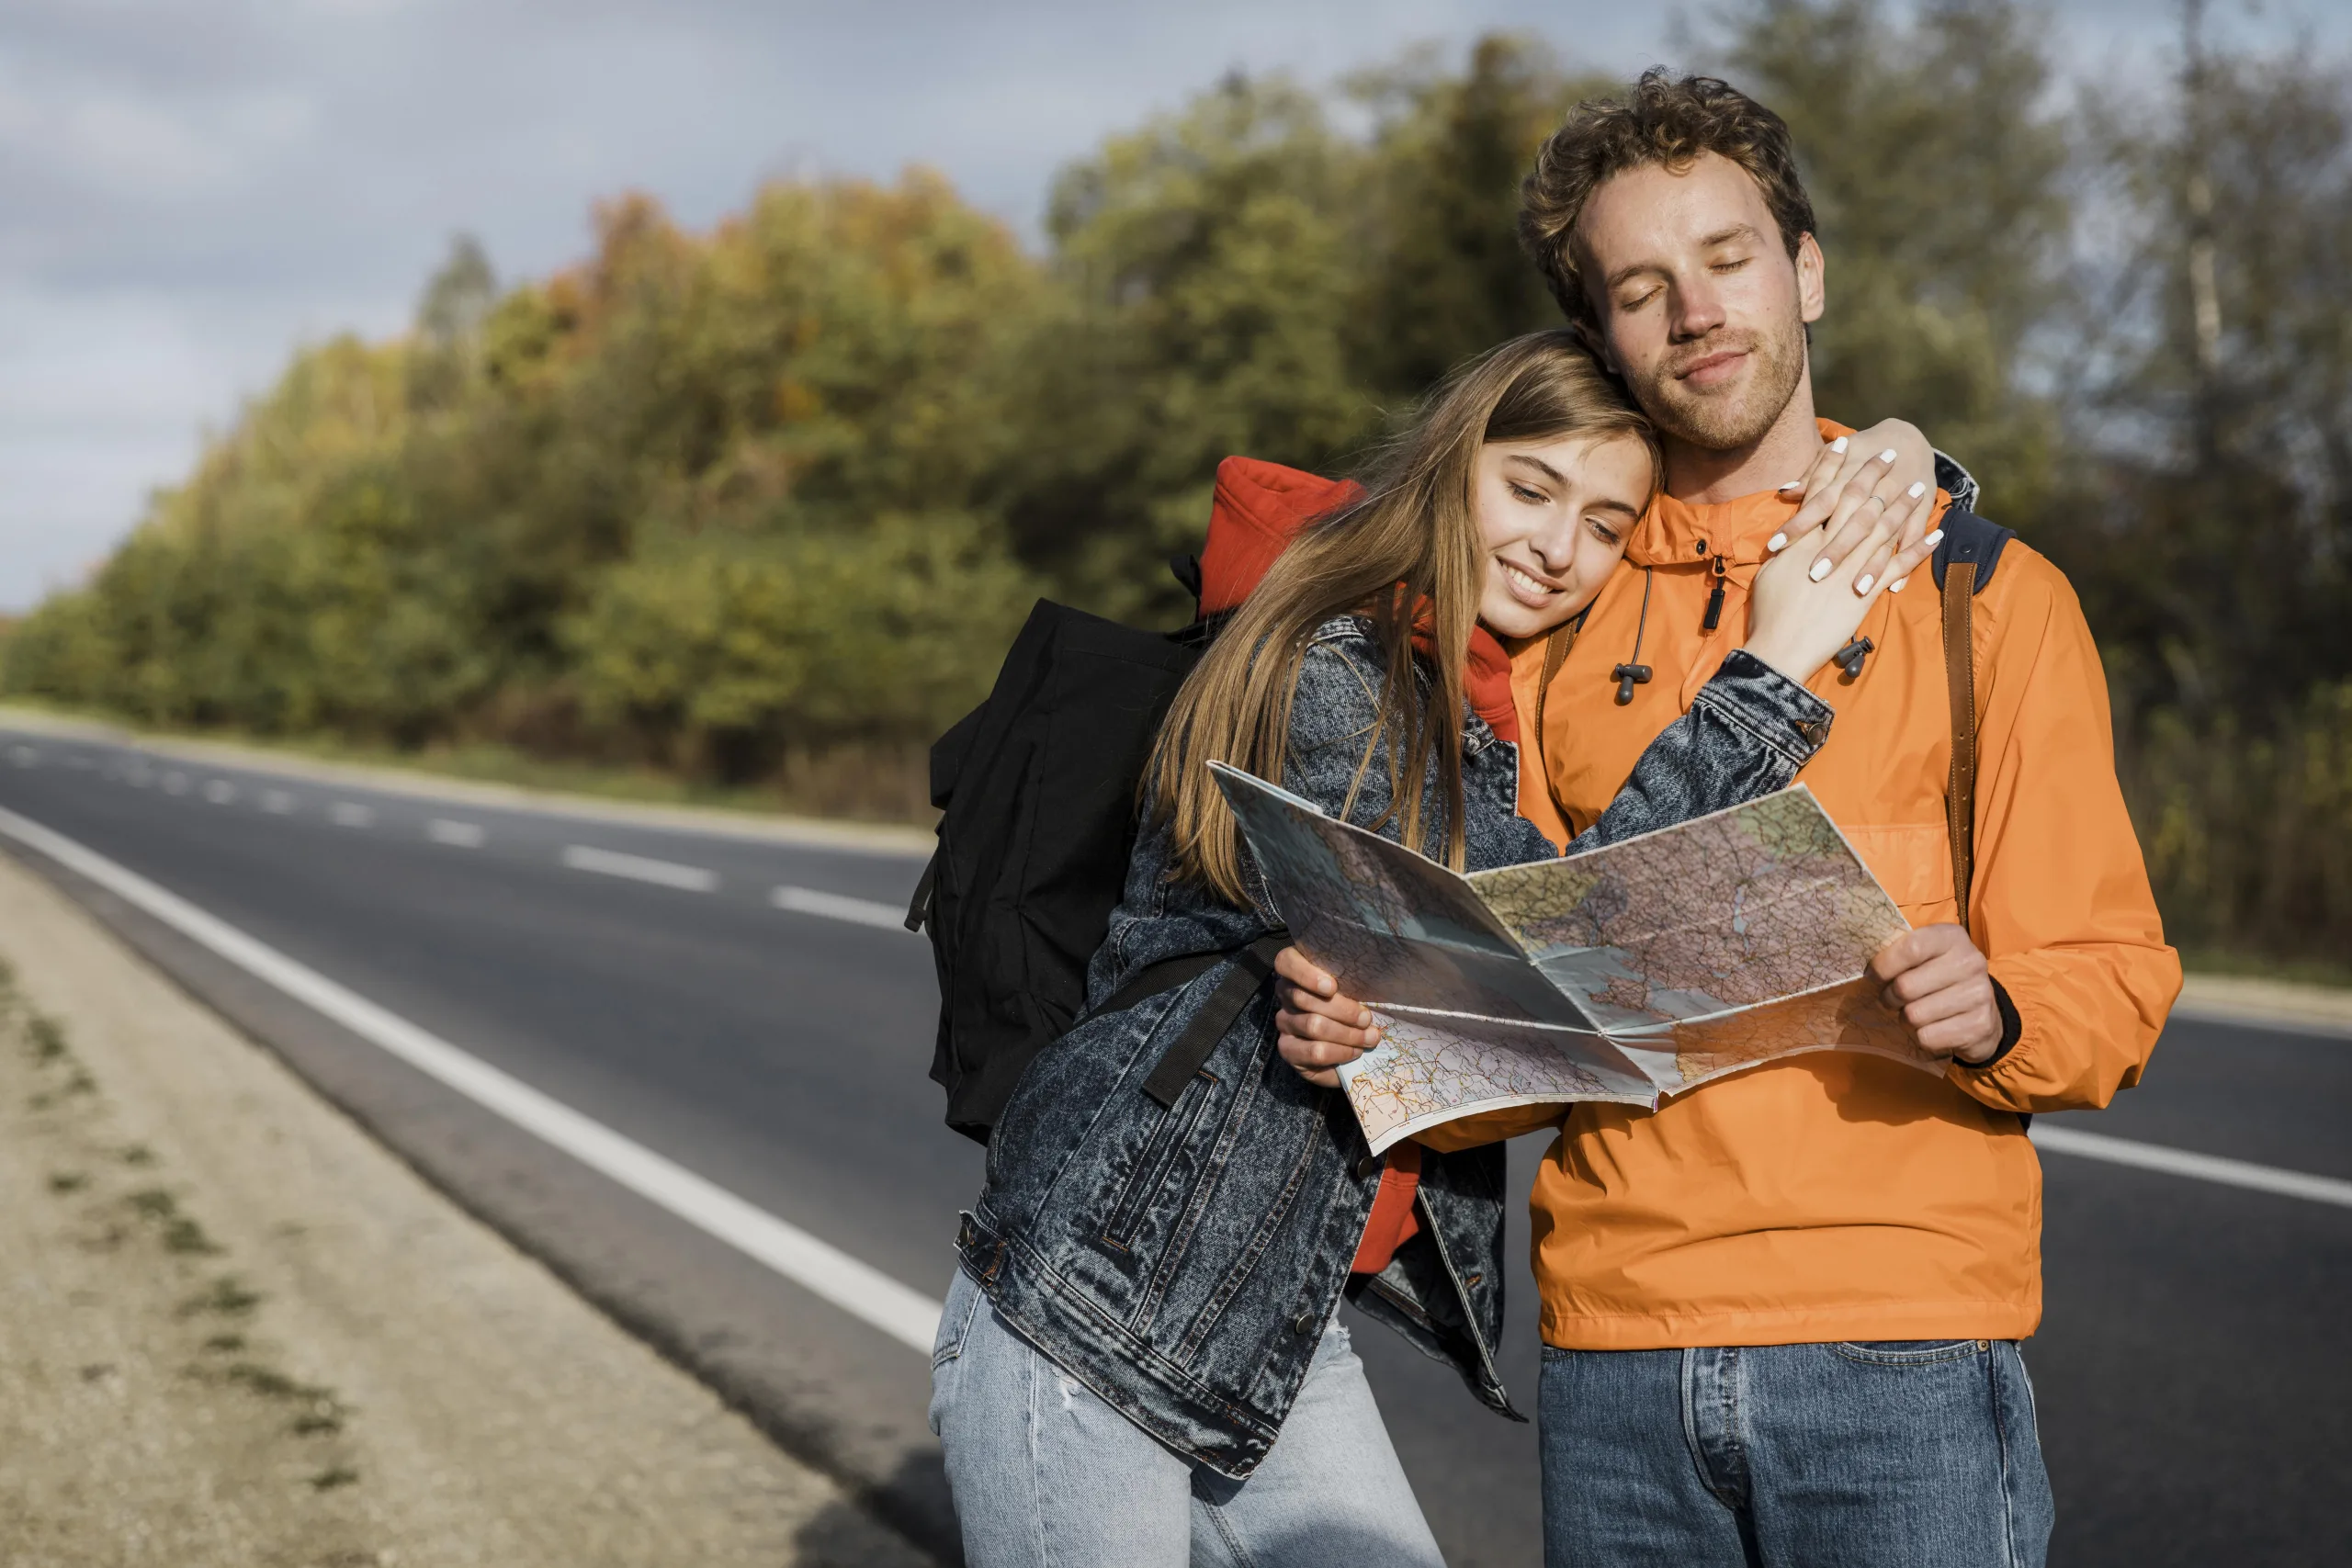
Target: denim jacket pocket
[{"x": 1132, "y": 1201}]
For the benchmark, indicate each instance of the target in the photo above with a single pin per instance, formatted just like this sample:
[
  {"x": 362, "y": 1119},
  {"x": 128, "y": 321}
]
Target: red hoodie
[{"x": 1260, "y": 506}]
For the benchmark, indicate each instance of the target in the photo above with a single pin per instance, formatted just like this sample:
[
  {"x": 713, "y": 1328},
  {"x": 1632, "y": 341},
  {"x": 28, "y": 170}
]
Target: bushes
[{"x": 718, "y": 660}]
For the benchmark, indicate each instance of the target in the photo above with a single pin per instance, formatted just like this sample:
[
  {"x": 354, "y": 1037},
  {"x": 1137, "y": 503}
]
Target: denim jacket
[{"x": 1183, "y": 1262}]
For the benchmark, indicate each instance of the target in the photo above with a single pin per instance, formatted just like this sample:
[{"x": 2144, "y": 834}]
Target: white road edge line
[
  {"x": 2200, "y": 1167},
  {"x": 638, "y": 868},
  {"x": 839, "y": 907},
  {"x": 857, "y": 1288}
]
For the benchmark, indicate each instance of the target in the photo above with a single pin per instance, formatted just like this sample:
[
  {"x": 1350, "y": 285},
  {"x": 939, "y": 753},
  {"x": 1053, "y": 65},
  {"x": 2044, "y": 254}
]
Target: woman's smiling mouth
[{"x": 1527, "y": 590}]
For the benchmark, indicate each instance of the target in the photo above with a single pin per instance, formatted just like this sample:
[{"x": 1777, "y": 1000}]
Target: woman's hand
[
  {"x": 1805, "y": 607},
  {"x": 1887, "y": 461},
  {"x": 1320, "y": 1028}
]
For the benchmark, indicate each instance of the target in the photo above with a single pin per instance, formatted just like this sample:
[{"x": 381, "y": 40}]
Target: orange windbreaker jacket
[{"x": 1839, "y": 1196}]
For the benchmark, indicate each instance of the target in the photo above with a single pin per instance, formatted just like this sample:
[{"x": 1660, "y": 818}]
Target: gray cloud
[{"x": 187, "y": 191}]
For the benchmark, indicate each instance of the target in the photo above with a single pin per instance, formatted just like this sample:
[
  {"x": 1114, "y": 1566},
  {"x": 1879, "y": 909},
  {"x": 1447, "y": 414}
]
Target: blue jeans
[
  {"x": 1878, "y": 1455},
  {"x": 1046, "y": 1475}
]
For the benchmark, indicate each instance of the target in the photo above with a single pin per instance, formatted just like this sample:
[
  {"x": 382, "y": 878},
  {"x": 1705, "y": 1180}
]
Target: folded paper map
[{"x": 1626, "y": 973}]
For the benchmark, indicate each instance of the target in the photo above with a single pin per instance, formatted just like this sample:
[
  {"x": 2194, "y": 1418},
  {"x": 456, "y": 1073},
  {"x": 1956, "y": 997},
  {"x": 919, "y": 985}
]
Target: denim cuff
[
  {"x": 1776, "y": 710},
  {"x": 1956, "y": 483}
]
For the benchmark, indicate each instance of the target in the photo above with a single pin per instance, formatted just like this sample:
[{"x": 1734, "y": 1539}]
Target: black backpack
[{"x": 1039, "y": 787}]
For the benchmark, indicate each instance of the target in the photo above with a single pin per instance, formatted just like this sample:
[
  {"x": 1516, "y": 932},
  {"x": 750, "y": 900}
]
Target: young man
[{"x": 1781, "y": 1313}]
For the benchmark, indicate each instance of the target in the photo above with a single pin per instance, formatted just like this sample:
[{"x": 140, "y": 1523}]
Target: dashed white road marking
[
  {"x": 817, "y": 1266},
  {"x": 24, "y": 756},
  {"x": 351, "y": 814},
  {"x": 175, "y": 784},
  {"x": 277, "y": 802},
  {"x": 839, "y": 907},
  {"x": 220, "y": 792},
  {"x": 464, "y": 835},
  {"x": 638, "y": 868},
  {"x": 2198, "y": 1167}
]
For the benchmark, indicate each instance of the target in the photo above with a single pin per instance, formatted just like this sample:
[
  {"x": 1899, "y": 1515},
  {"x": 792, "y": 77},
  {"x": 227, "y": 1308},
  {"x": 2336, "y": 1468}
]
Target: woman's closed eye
[{"x": 1532, "y": 497}]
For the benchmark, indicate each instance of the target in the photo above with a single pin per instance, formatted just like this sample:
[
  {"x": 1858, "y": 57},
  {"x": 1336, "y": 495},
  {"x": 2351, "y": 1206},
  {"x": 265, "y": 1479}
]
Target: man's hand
[
  {"x": 1934, "y": 977},
  {"x": 1320, "y": 1028}
]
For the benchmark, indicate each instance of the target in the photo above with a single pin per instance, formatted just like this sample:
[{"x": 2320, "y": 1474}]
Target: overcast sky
[{"x": 189, "y": 190}]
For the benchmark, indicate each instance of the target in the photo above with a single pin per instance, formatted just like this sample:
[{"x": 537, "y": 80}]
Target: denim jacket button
[
  {"x": 1366, "y": 1165},
  {"x": 1303, "y": 1324}
]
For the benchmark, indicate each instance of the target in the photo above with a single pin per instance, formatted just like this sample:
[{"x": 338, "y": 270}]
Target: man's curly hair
[{"x": 1666, "y": 120}]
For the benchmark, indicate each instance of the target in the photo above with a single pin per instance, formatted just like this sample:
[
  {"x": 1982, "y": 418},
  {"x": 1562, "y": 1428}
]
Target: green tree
[{"x": 1939, "y": 176}]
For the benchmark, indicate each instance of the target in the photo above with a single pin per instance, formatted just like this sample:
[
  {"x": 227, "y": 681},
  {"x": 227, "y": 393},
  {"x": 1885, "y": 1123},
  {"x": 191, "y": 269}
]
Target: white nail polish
[
  {"x": 1932, "y": 540},
  {"x": 1794, "y": 484},
  {"x": 1917, "y": 489},
  {"x": 1896, "y": 586},
  {"x": 1862, "y": 584},
  {"x": 1838, "y": 444},
  {"x": 1777, "y": 541},
  {"x": 1887, "y": 455},
  {"x": 1820, "y": 569}
]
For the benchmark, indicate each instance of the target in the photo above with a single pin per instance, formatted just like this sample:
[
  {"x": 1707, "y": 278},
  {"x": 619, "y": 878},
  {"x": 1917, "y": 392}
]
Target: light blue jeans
[
  {"x": 1047, "y": 1476},
  {"x": 1880, "y": 1455}
]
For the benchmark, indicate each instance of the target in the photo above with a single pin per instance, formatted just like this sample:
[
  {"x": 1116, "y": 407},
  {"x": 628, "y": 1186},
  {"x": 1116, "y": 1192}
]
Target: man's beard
[{"x": 1739, "y": 414}]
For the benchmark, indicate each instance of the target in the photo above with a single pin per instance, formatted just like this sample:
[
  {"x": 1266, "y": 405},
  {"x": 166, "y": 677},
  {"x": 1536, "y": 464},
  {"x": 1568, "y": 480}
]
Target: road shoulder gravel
[{"x": 234, "y": 1330}]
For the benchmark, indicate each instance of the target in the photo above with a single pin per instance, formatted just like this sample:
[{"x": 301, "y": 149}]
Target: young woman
[{"x": 1139, "y": 1363}]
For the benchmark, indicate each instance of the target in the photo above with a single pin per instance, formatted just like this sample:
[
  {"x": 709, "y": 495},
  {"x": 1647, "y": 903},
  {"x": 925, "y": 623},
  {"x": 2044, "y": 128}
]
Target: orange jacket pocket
[{"x": 1912, "y": 863}]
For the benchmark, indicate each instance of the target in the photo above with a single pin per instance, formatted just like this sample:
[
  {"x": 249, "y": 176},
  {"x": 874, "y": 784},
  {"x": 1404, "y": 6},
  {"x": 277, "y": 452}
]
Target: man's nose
[{"x": 1698, "y": 309}]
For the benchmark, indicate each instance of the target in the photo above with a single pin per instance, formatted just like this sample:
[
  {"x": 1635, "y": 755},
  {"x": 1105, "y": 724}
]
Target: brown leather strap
[
  {"x": 1960, "y": 680},
  {"x": 1556, "y": 653}
]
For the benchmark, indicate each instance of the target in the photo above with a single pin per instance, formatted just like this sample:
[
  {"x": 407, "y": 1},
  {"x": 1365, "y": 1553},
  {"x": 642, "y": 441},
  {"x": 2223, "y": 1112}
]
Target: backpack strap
[
  {"x": 1556, "y": 653},
  {"x": 1963, "y": 566},
  {"x": 1250, "y": 968},
  {"x": 1960, "y": 680}
]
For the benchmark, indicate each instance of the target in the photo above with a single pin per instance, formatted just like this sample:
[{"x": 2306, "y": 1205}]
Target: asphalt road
[{"x": 2195, "y": 1397}]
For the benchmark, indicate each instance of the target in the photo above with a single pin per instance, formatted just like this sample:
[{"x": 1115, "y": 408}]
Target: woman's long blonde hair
[{"x": 1407, "y": 555}]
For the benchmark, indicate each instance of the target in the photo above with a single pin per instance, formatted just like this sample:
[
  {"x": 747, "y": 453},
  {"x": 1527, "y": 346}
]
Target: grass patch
[
  {"x": 64, "y": 1181},
  {"x": 338, "y": 1476},
  {"x": 45, "y": 1036},
  {"x": 2255, "y": 966},
  {"x": 138, "y": 1155},
  {"x": 222, "y": 1344},
  {"x": 184, "y": 1236},
  {"x": 225, "y": 1297},
  {"x": 180, "y": 1232},
  {"x": 323, "y": 1412},
  {"x": 271, "y": 1383}
]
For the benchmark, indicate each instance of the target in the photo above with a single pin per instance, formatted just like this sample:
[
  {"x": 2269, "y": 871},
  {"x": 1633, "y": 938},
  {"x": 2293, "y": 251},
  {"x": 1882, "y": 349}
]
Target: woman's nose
[{"x": 1554, "y": 550}]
